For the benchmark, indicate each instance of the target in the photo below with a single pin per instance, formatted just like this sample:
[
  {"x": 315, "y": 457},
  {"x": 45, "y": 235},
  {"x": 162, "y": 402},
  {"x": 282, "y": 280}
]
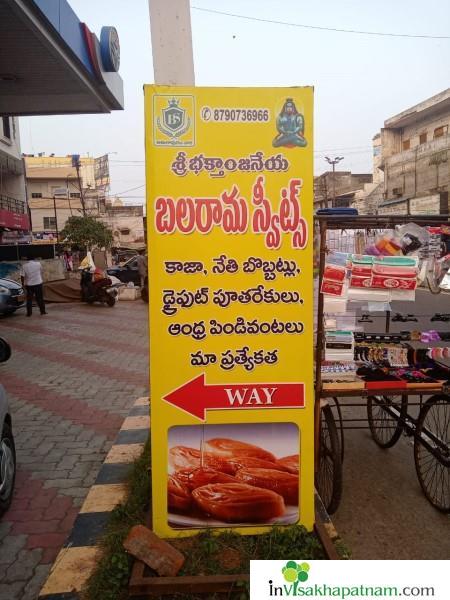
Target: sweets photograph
[{"x": 239, "y": 474}]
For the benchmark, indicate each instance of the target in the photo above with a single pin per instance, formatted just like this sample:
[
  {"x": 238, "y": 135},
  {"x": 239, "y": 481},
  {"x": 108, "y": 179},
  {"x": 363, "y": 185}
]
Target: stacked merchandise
[
  {"x": 377, "y": 268},
  {"x": 383, "y": 273},
  {"x": 357, "y": 277},
  {"x": 336, "y": 373},
  {"x": 335, "y": 370},
  {"x": 339, "y": 345},
  {"x": 390, "y": 361},
  {"x": 394, "y": 360},
  {"x": 388, "y": 266}
]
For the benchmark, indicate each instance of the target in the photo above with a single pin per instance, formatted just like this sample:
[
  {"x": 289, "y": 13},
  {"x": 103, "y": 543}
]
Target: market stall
[{"x": 365, "y": 264}]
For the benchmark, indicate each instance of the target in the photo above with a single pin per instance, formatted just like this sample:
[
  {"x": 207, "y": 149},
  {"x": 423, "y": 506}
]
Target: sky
[{"x": 360, "y": 80}]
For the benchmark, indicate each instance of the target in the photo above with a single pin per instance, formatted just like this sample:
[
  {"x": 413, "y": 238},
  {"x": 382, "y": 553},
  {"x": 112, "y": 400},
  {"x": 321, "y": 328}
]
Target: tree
[{"x": 87, "y": 231}]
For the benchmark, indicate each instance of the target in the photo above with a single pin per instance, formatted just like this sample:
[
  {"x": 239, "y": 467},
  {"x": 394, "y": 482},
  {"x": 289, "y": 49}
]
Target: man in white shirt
[{"x": 32, "y": 280}]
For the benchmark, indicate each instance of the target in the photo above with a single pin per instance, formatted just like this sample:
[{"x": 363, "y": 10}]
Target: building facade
[
  {"x": 56, "y": 191},
  {"x": 14, "y": 220},
  {"x": 367, "y": 200},
  {"x": 126, "y": 223},
  {"x": 338, "y": 189},
  {"x": 42, "y": 161},
  {"x": 415, "y": 148}
]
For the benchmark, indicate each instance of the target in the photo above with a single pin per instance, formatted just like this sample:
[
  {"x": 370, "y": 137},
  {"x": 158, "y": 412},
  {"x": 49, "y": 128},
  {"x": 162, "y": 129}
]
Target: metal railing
[{"x": 12, "y": 204}]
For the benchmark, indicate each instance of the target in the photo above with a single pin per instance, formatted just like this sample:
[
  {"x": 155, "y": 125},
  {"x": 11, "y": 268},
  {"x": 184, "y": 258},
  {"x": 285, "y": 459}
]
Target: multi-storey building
[
  {"x": 56, "y": 191},
  {"x": 415, "y": 148},
  {"x": 338, "y": 189},
  {"x": 14, "y": 220}
]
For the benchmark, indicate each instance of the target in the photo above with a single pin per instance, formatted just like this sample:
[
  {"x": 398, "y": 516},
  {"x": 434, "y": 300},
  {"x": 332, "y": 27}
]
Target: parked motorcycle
[{"x": 97, "y": 288}]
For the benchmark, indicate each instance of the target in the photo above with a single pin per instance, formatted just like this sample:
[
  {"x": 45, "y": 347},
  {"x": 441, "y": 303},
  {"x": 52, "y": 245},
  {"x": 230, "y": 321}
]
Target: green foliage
[
  {"x": 209, "y": 554},
  {"x": 88, "y": 232},
  {"x": 341, "y": 548}
]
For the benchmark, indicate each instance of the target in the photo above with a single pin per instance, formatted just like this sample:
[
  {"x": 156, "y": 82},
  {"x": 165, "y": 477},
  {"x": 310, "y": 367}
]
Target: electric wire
[
  {"x": 138, "y": 187},
  {"x": 320, "y": 28}
]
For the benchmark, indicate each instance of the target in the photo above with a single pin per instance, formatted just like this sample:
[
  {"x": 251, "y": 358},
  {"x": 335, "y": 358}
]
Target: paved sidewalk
[{"x": 72, "y": 378}]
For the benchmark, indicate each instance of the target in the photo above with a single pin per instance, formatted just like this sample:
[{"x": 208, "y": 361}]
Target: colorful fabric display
[
  {"x": 430, "y": 336},
  {"x": 385, "y": 245}
]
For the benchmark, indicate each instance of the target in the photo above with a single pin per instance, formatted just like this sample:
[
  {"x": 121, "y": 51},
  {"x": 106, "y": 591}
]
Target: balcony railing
[
  {"x": 437, "y": 146},
  {"x": 12, "y": 204}
]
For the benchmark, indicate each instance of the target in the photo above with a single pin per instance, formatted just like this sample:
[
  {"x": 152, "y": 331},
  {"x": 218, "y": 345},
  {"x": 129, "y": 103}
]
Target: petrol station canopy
[{"x": 51, "y": 62}]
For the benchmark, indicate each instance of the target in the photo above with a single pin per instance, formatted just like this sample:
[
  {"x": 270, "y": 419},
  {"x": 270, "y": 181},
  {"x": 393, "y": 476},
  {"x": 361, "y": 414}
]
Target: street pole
[
  {"x": 334, "y": 162},
  {"x": 68, "y": 196},
  {"x": 56, "y": 217},
  {"x": 170, "y": 25},
  {"x": 334, "y": 185},
  {"x": 83, "y": 205}
]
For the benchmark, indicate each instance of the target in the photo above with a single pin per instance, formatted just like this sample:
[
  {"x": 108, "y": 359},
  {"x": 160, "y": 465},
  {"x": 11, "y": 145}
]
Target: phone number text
[{"x": 238, "y": 115}]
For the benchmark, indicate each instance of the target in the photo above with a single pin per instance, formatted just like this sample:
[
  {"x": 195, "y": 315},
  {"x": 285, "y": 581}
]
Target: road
[
  {"x": 383, "y": 513},
  {"x": 72, "y": 378}
]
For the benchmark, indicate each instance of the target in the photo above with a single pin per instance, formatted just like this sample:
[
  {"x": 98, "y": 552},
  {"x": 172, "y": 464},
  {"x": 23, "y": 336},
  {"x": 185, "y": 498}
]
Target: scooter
[{"x": 101, "y": 290}]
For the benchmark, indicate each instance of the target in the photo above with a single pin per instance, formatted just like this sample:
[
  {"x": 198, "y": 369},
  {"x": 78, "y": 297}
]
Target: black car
[
  {"x": 126, "y": 272},
  {"x": 12, "y": 296}
]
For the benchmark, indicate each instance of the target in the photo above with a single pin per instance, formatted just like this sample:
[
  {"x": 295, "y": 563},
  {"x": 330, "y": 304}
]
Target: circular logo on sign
[{"x": 110, "y": 48}]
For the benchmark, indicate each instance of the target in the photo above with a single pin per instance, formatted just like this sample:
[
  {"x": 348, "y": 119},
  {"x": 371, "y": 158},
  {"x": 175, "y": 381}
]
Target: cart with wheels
[{"x": 421, "y": 411}]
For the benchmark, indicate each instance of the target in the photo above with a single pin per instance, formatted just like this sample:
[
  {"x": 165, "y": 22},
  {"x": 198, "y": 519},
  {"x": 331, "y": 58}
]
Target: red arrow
[{"x": 195, "y": 397}]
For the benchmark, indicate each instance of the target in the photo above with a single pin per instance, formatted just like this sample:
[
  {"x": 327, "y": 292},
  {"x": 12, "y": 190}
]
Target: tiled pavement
[
  {"x": 80, "y": 554},
  {"x": 72, "y": 378}
]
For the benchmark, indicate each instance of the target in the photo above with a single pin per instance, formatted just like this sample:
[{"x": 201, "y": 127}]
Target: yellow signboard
[{"x": 229, "y": 213}]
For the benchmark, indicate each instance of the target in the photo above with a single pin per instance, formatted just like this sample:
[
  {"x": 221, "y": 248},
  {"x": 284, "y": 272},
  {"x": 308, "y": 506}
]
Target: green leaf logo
[{"x": 294, "y": 572}]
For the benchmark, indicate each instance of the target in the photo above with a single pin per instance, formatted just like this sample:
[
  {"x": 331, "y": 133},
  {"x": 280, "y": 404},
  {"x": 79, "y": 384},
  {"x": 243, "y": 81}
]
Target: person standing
[
  {"x": 141, "y": 262},
  {"x": 32, "y": 280}
]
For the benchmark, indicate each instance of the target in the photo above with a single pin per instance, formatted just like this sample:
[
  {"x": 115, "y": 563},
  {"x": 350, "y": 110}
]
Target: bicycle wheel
[
  {"x": 433, "y": 283},
  {"x": 435, "y": 275},
  {"x": 329, "y": 474},
  {"x": 341, "y": 427},
  {"x": 384, "y": 427},
  {"x": 432, "y": 451}
]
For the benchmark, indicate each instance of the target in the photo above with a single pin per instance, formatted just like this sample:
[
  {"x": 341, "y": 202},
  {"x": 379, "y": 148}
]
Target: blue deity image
[{"x": 290, "y": 126}]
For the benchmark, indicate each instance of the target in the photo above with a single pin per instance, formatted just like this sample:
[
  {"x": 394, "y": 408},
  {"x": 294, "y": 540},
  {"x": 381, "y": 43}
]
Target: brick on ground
[{"x": 153, "y": 551}]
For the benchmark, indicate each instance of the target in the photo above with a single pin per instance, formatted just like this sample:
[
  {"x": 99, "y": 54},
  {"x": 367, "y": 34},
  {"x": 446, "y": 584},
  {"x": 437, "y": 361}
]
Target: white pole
[{"x": 170, "y": 25}]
